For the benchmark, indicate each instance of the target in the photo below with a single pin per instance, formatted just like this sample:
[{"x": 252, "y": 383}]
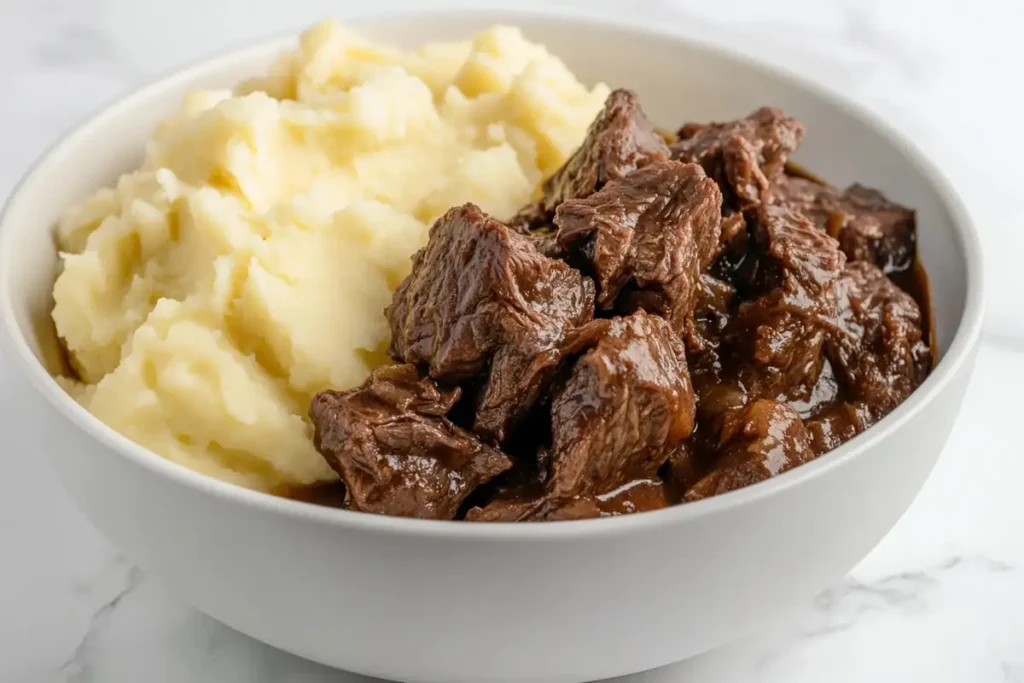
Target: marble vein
[
  {"x": 1013, "y": 672},
  {"x": 842, "y": 607},
  {"x": 77, "y": 667},
  {"x": 75, "y": 44}
]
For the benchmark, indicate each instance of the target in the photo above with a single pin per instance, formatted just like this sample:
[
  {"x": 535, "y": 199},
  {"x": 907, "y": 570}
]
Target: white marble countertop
[{"x": 942, "y": 597}]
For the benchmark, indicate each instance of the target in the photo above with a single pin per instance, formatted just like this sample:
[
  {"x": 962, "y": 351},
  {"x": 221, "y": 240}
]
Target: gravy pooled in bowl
[{"x": 601, "y": 319}]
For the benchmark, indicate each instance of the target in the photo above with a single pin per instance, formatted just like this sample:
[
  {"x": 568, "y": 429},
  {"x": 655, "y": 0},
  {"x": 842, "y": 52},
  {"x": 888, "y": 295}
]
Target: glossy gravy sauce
[{"x": 643, "y": 495}]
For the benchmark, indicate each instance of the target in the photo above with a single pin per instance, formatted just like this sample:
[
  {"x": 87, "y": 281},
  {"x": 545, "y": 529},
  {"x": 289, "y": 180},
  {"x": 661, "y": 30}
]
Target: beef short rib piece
[
  {"x": 776, "y": 339},
  {"x": 397, "y": 453},
  {"x": 877, "y": 230},
  {"x": 743, "y": 156},
  {"x": 877, "y": 348},
  {"x": 868, "y": 226},
  {"x": 803, "y": 195},
  {"x": 878, "y": 351},
  {"x": 626, "y": 404},
  {"x": 481, "y": 299},
  {"x": 620, "y": 140},
  {"x": 756, "y": 442},
  {"x": 652, "y": 232}
]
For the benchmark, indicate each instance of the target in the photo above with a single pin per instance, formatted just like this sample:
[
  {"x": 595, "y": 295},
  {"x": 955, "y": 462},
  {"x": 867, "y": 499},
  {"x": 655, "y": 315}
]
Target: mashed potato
[{"x": 247, "y": 264}]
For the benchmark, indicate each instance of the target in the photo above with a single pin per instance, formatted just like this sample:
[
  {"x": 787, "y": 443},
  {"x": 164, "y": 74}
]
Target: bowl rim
[{"x": 18, "y": 353}]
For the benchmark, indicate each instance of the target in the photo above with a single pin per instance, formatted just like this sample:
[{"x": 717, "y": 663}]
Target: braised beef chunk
[
  {"x": 814, "y": 200},
  {"x": 877, "y": 348},
  {"x": 868, "y": 226},
  {"x": 642, "y": 495},
  {"x": 654, "y": 231},
  {"x": 533, "y": 348},
  {"x": 878, "y": 351},
  {"x": 394, "y": 449},
  {"x": 793, "y": 256},
  {"x": 877, "y": 230},
  {"x": 620, "y": 140},
  {"x": 480, "y": 296},
  {"x": 777, "y": 337},
  {"x": 627, "y": 403},
  {"x": 529, "y": 505},
  {"x": 743, "y": 156},
  {"x": 756, "y": 442},
  {"x": 625, "y": 406},
  {"x": 675, "y": 317}
]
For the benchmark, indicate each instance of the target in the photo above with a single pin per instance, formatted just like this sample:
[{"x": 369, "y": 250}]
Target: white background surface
[{"x": 941, "y": 599}]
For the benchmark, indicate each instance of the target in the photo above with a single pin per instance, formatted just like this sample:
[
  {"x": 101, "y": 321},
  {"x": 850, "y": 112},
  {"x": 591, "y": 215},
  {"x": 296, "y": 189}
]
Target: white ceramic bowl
[{"x": 447, "y": 601}]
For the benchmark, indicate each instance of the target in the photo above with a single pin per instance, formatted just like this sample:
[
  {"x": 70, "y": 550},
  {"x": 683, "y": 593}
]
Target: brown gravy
[
  {"x": 643, "y": 495},
  {"x": 328, "y": 494}
]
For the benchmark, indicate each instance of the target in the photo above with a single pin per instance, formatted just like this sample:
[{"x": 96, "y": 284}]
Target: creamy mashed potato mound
[{"x": 207, "y": 296}]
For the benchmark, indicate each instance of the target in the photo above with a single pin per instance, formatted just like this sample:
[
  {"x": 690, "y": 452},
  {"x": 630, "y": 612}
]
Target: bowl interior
[{"x": 677, "y": 81}]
